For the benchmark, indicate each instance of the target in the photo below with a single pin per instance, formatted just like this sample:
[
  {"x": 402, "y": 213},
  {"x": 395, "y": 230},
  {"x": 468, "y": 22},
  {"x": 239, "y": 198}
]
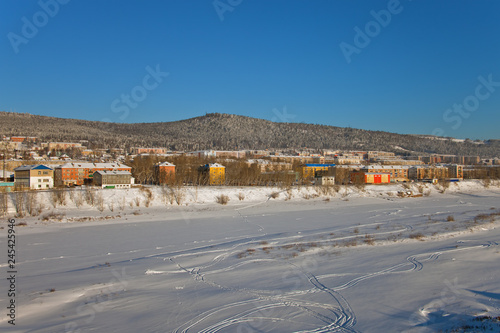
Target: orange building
[
  {"x": 71, "y": 174},
  {"x": 142, "y": 150},
  {"x": 370, "y": 178},
  {"x": 164, "y": 173},
  {"x": 22, "y": 138}
]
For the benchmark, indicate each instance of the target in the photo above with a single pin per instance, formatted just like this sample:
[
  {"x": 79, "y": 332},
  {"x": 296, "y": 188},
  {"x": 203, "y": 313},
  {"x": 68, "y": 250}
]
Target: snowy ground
[{"x": 360, "y": 260}]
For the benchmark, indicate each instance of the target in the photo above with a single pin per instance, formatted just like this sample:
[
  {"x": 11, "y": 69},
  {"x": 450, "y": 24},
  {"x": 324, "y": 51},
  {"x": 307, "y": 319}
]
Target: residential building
[
  {"x": 164, "y": 173},
  {"x": 364, "y": 177},
  {"x": 456, "y": 171},
  {"x": 325, "y": 180},
  {"x": 399, "y": 173},
  {"x": 213, "y": 174},
  {"x": 142, "y": 150},
  {"x": 62, "y": 145},
  {"x": 218, "y": 153},
  {"x": 311, "y": 170},
  {"x": 7, "y": 186},
  {"x": 35, "y": 177},
  {"x": 79, "y": 173},
  {"x": 426, "y": 172},
  {"x": 374, "y": 154},
  {"x": 269, "y": 166},
  {"x": 348, "y": 159},
  {"x": 23, "y": 138},
  {"x": 112, "y": 179}
]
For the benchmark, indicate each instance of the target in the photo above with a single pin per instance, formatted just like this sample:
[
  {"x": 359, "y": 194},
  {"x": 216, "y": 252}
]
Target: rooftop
[
  {"x": 87, "y": 165},
  {"x": 108, "y": 172}
]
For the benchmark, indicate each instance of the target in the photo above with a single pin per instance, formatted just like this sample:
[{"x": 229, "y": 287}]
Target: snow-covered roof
[
  {"x": 165, "y": 164},
  {"x": 32, "y": 167},
  {"x": 387, "y": 167},
  {"x": 108, "y": 172},
  {"x": 87, "y": 165}
]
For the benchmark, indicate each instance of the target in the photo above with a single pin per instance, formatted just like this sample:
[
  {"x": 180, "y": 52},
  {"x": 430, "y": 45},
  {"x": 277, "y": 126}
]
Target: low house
[
  {"x": 34, "y": 177},
  {"x": 112, "y": 179},
  {"x": 325, "y": 180},
  {"x": 6, "y": 186}
]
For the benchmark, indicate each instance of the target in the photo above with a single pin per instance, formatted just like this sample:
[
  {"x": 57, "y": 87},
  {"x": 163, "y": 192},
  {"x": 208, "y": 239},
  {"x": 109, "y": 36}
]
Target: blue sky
[{"x": 420, "y": 66}]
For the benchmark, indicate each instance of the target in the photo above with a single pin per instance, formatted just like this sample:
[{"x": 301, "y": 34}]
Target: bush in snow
[{"x": 222, "y": 199}]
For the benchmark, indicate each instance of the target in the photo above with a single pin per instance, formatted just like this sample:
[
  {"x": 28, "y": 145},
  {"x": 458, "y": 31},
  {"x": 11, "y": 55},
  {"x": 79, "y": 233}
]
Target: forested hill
[{"x": 224, "y": 132}]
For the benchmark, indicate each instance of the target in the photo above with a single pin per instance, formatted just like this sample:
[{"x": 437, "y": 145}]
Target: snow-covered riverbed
[{"x": 372, "y": 263}]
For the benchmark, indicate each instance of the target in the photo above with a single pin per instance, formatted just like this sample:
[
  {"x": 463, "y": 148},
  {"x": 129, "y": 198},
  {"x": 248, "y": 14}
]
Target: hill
[{"x": 224, "y": 131}]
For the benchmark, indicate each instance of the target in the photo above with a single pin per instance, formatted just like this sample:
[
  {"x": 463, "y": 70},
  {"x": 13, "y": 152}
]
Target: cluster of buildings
[
  {"x": 57, "y": 169},
  {"x": 105, "y": 175},
  {"x": 32, "y": 147},
  {"x": 43, "y": 177},
  {"x": 381, "y": 174}
]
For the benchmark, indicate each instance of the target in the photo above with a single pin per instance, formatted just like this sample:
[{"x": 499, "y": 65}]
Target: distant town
[{"x": 28, "y": 163}]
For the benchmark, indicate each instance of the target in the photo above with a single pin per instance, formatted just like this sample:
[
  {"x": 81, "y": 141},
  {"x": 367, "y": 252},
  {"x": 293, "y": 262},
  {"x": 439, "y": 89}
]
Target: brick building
[
  {"x": 164, "y": 173},
  {"x": 71, "y": 174}
]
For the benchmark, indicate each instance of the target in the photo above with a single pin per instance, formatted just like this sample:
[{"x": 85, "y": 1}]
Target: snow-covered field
[{"x": 357, "y": 260}]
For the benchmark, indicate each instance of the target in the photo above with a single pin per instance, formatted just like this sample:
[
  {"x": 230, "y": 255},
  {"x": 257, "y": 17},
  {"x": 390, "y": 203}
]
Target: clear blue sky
[{"x": 342, "y": 63}]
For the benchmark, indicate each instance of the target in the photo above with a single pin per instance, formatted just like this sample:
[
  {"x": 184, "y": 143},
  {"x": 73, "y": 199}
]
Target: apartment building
[
  {"x": 213, "y": 173},
  {"x": 425, "y": 172},
  {"x": 112, "y": 179},
  {"x": 364, "y": 177},
  {"x": 34, "y": 177},
  {"x": 71, "y": 174},
  {"x": 399, "y": 173},
  {"x": 311, "y": 170},
  {"x": 164, "y": 173}
]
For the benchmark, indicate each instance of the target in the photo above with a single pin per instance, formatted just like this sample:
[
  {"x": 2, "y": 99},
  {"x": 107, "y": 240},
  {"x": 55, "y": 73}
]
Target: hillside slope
[{"x": 223, "y": 131}]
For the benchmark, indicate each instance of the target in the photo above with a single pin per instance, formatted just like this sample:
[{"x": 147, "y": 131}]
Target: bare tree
[
  {"x": 20, "y": 203},
  {"x": 32, "y": 206},
  {"x": 4, "y": 203}
]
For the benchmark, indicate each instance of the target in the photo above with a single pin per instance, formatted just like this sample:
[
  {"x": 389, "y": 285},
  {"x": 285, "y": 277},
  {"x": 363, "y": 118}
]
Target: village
[{"x": 30, "y": 164}]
